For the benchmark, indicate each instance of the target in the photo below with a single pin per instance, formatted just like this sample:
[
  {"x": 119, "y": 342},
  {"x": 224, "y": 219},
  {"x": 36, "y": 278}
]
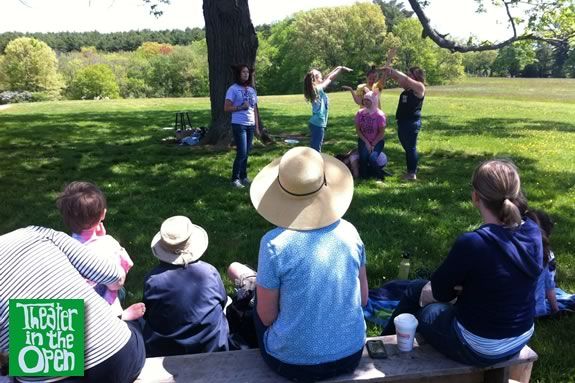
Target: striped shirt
[
  {"x": 40, "y": 263},
  {"x": 495, "y": 347}
]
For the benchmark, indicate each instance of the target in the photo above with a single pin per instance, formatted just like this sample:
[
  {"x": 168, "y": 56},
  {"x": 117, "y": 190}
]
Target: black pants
[{"x": 122, "y": 367}]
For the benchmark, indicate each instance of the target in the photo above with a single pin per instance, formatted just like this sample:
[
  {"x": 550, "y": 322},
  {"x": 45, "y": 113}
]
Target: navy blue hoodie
[{"x": 498, "y": 268}]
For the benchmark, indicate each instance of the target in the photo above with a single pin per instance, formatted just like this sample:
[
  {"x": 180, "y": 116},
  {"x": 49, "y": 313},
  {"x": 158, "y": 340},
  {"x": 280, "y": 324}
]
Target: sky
[{"x": 454, "y": 16}]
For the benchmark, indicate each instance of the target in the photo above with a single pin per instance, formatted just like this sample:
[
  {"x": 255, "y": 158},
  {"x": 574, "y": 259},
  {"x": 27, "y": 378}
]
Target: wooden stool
[{"x": 182, "y": 121}]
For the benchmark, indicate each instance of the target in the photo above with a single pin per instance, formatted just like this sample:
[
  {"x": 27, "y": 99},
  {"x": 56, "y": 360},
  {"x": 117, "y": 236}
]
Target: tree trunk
[{"x": 231, "y": 39}]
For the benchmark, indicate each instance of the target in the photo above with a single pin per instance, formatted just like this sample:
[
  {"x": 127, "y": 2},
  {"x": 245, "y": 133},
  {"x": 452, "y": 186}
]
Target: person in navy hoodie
[{"x": 492, "y": 271}]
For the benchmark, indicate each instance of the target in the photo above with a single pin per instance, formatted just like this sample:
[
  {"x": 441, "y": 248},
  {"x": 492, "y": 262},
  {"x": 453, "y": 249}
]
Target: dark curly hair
[{"x": 237, "y": 69}]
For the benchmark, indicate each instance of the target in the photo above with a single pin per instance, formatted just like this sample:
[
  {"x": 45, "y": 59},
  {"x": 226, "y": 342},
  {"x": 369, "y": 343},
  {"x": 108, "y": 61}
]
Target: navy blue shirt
[
  {"x": 184, "y": 310},
  {"x": 498, "y": 268}
]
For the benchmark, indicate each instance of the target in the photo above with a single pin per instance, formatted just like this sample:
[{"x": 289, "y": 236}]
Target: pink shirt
[
  {"x": 370, "y": 124},
  {"x": 106, "y": 246}
]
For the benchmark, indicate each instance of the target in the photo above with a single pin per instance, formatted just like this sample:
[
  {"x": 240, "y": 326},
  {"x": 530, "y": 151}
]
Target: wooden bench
[{"x": 423, "y": 364}]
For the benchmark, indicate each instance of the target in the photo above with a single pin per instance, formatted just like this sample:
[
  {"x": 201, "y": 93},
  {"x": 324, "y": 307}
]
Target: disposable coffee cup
[{"x": 405, "y": 326}]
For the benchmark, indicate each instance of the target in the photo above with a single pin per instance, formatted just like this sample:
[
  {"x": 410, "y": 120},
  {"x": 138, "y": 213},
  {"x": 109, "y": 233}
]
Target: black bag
[{"x": 240, "y": 315}]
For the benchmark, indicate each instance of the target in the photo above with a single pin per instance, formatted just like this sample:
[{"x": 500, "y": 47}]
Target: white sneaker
[
  {"x": 410, "y": 177},
  {"x": 246, "y": 181},
  {"x": 237, "y": 184}
]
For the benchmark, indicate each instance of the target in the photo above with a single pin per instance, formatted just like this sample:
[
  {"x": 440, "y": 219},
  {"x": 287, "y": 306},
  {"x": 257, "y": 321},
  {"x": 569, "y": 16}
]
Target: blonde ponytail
[
  {"x": 498, "y": 185},
  {"x": 510, "y": 214}
]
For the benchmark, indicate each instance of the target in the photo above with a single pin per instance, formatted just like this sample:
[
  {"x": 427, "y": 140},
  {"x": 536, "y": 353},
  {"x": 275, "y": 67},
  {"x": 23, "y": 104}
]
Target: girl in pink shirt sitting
[{"x": 370, "y": 124}]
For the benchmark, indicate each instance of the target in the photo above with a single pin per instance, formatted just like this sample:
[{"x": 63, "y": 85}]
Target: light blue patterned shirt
[{"x": 320, "y": 317}]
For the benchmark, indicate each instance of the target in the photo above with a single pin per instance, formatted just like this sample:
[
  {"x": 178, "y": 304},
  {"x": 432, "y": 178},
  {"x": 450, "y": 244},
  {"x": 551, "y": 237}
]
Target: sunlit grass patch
[{"x": 118, "y": 145}]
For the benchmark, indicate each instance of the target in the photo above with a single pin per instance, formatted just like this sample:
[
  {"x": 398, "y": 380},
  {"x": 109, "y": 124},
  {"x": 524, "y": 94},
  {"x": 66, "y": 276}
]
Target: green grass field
[{"x": 118, "y": 145}]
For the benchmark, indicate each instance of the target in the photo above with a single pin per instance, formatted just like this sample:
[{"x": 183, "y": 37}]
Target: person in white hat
[
  {"x": 311, "y": 280},
  {"x": 184, "y": 296}
]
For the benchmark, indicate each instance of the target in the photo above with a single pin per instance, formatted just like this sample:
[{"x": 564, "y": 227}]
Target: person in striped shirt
[
  {"x": 41, "y": 263},
  {"x": 493, "y": 273}
]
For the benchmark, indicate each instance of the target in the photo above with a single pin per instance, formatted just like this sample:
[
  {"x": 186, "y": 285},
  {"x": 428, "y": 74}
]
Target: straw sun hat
[
  {"x": 302, "y": 190},
  {"x": 179, "y": 241}
]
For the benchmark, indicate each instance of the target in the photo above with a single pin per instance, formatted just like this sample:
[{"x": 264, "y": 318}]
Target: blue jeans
[
  {"x": 368, "y": 160},
  {"x": 317, "y": 133},
  {"x": 437, "y": 325},
  {"x": 305, "y": 373},
  {"x": 243, "y": 136},
  {"x": 407, "y": 131}
]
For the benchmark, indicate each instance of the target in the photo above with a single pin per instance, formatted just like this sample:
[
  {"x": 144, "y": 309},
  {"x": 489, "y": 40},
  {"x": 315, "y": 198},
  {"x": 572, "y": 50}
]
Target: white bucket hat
[
  {"x": 302, "y": 190},
  {"x": 179, "y": 241}
]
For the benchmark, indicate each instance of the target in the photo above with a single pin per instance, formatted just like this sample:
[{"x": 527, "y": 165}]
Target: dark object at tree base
[
  {"x": 198, "y": 133},
  {"x": 265, "y": 137}
]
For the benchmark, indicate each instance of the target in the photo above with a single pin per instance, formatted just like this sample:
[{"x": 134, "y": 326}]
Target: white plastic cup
[{"x": 405, "y": 326}]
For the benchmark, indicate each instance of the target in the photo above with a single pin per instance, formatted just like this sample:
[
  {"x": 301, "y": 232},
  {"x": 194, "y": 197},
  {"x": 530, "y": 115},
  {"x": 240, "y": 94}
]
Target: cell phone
[{"x": 376, "y": 349}]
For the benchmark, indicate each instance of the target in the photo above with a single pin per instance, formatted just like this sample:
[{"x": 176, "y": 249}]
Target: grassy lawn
[{"x": 118, "y": 145}]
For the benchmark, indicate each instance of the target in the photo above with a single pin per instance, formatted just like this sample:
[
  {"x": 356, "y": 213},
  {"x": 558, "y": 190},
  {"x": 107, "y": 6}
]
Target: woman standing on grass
[
  {"x": 313, "y": 90},
  {"x": 408, "y": 113},
  {"x": 493, "y": 273},
  {"x": 241, "y": 101}
]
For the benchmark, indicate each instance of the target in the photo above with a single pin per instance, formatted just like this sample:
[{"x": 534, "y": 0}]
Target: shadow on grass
[{"x": 147, "y": 181}]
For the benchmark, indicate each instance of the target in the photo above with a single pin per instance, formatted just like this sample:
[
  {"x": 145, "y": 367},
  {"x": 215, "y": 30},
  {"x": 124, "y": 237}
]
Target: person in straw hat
[
  {"x": 184, "y": 296},
  {"x": 311, "y": 281}
]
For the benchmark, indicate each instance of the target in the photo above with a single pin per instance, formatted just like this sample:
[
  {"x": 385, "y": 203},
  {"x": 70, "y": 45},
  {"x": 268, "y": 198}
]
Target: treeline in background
[{"x": 173, "y": 63}]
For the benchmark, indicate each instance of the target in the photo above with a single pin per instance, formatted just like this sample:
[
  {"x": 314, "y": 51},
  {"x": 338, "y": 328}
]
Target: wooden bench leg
[{"x": 497, "y": 375}]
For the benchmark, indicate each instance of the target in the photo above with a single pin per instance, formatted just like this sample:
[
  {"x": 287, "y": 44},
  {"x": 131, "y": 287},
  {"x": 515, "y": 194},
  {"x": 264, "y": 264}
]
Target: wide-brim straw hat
[
  {"x": 302, "y": 190},
  {"x": 179, "y": 241}
]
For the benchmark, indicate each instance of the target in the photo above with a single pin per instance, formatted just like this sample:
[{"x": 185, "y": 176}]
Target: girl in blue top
[
  {"x": 313, "y": 90},
  {"x": 242, "y": 103}
]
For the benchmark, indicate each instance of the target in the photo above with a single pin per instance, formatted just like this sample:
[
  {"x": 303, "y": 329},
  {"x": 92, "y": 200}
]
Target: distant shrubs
[
  {"x": 153, "y": 70},
  {"x": 13, "y": 97},
  {"x": 16, "y": 96},
  {"x": 94, "y": 82},
  {"x": 30, "y": 65}
]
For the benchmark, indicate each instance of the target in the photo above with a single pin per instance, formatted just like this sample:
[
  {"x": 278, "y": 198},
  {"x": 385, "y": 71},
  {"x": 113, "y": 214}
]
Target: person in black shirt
[{"x": 408, "y": 113}]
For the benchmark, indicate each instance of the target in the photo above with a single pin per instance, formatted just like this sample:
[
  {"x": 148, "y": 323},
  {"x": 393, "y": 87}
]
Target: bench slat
[{"x": 422, "y": 364}]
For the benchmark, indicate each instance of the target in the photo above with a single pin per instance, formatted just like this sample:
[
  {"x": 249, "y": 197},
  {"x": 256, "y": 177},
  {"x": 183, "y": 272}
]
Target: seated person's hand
[{"x": 426, "y": 296}]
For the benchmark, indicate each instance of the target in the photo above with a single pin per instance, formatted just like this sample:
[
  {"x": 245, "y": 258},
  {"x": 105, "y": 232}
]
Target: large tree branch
[{"x": 454, "y": 46}]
